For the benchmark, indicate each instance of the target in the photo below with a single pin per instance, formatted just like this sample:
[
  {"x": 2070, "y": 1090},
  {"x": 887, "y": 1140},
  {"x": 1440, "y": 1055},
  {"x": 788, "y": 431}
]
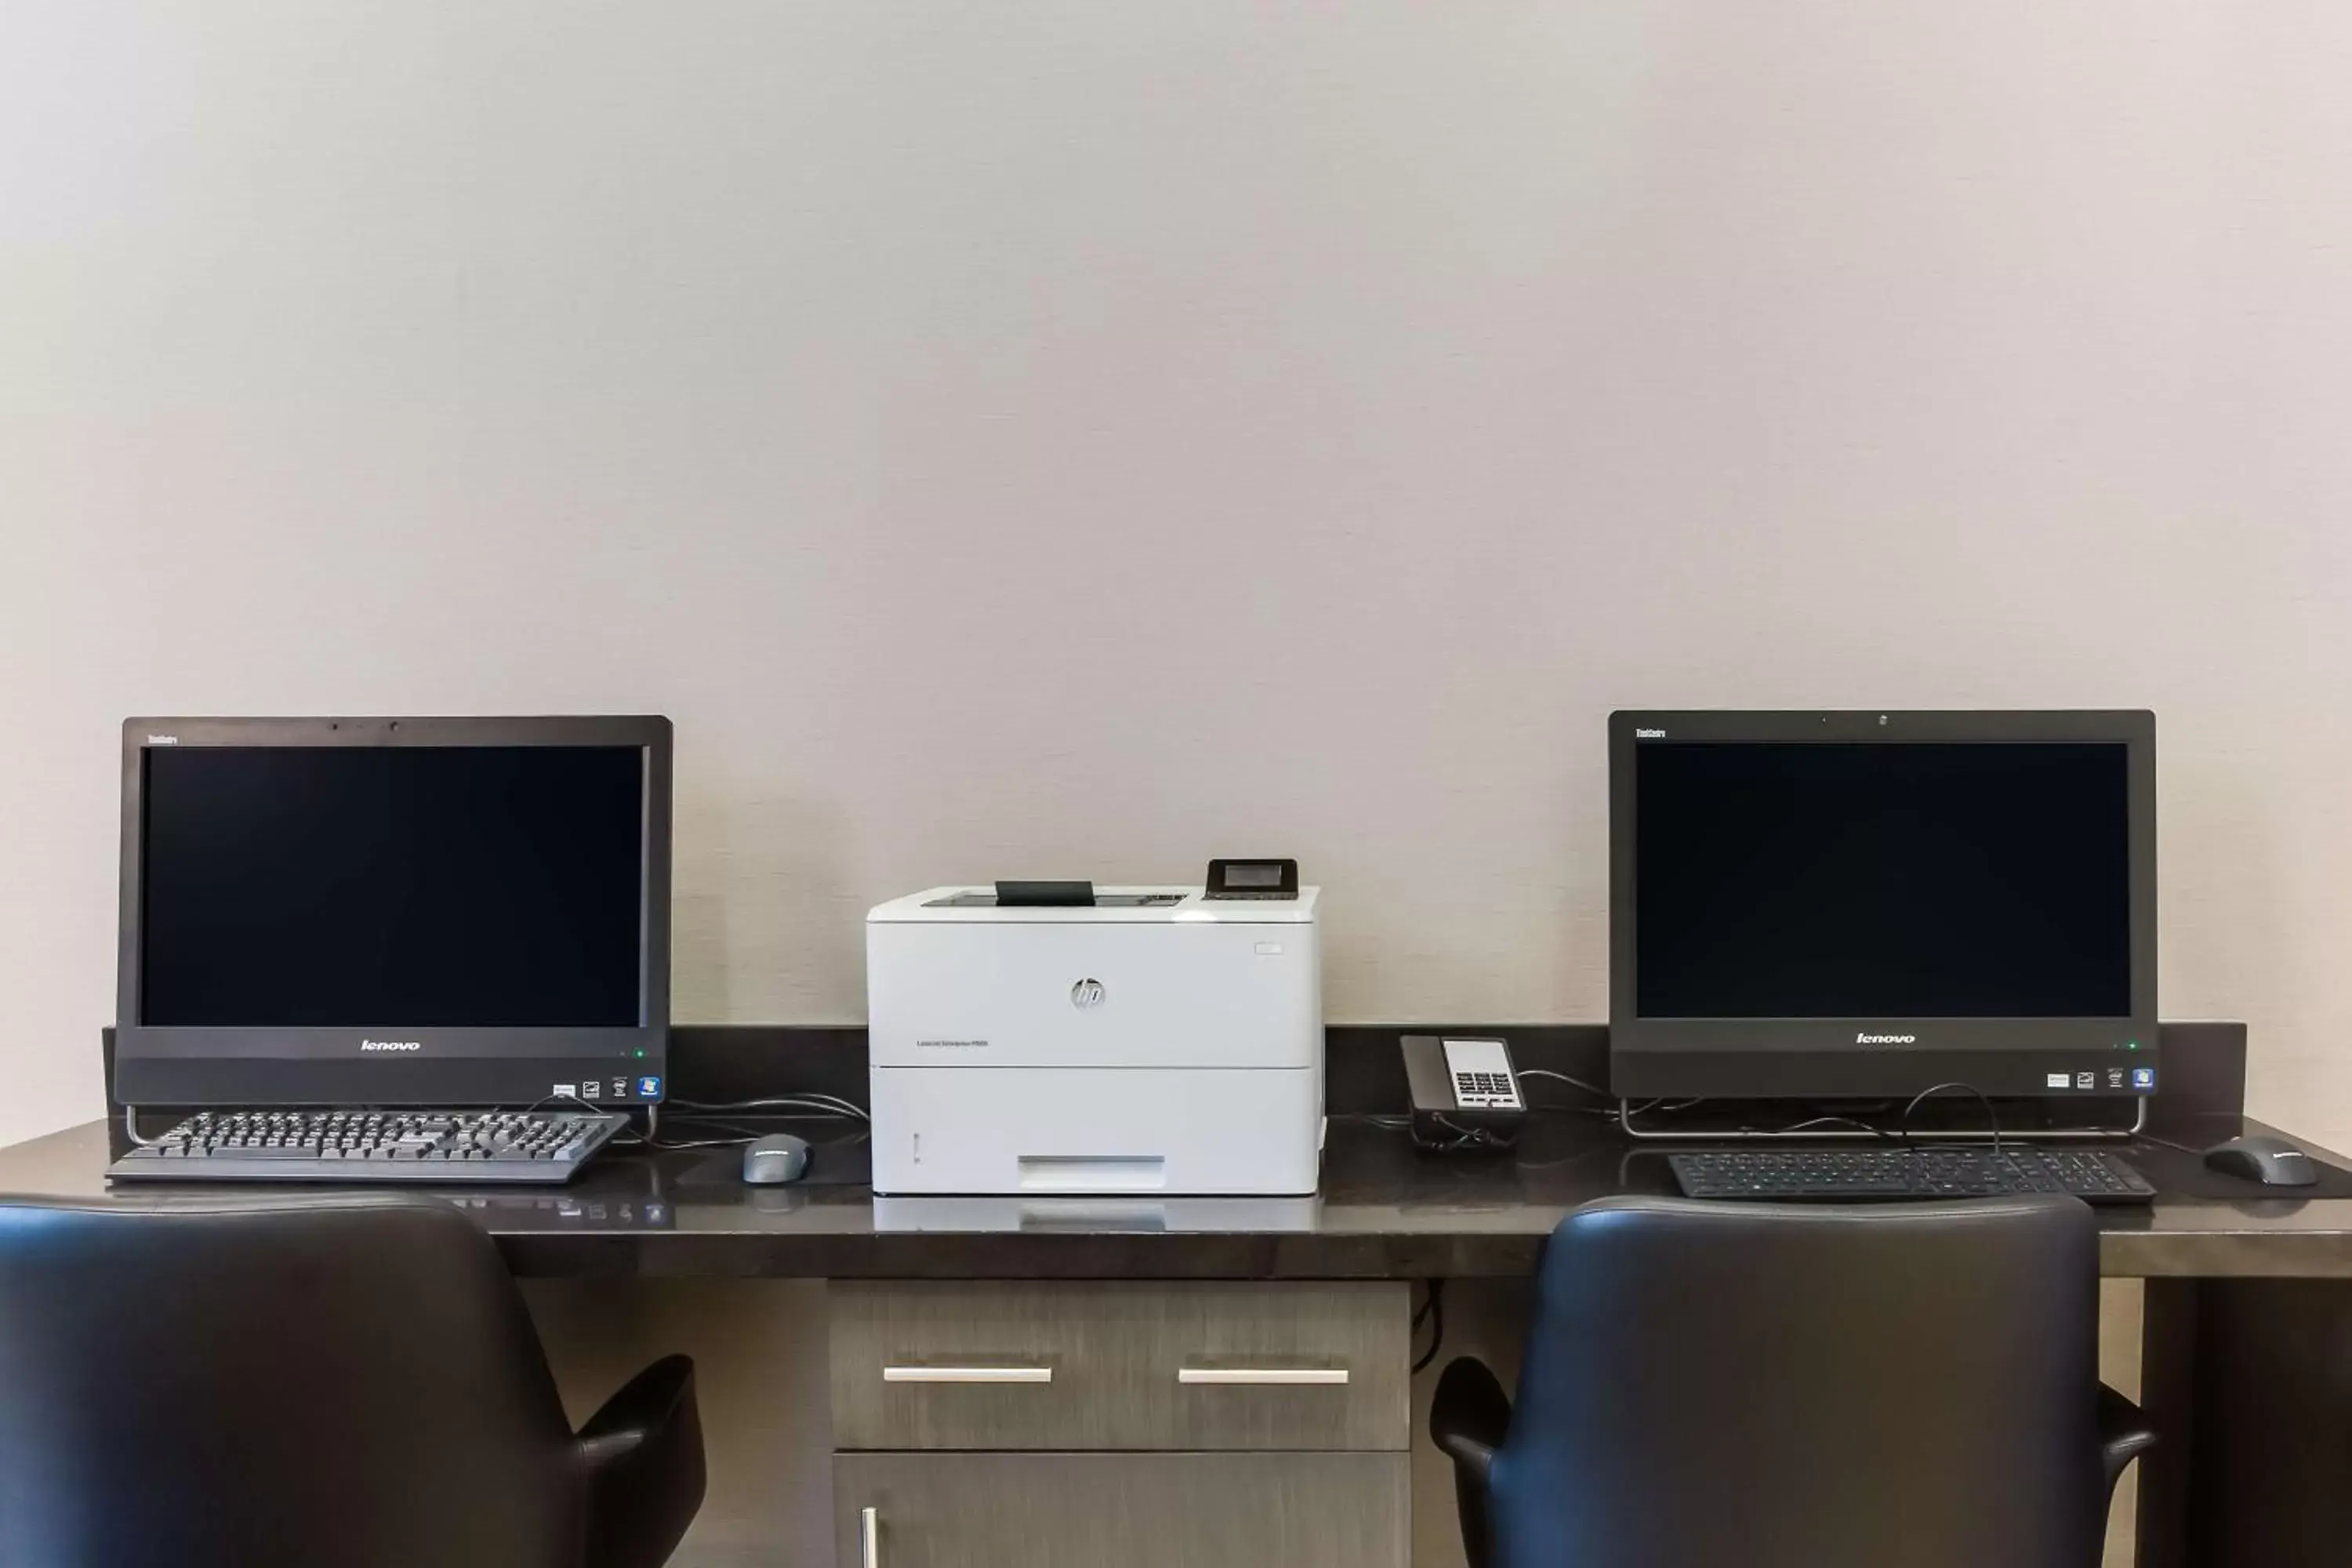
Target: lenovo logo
[
  {"x": 392, "y": 1045},
  {"x": 1886, "y": 1039}
]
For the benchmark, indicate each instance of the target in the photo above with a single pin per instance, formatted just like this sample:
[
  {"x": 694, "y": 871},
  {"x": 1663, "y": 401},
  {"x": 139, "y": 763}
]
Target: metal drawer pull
[
  {"x": 869, "y": 1538},
  {"x": 967, "y": 1374},
  {"x": 1233, "y": 1376}
]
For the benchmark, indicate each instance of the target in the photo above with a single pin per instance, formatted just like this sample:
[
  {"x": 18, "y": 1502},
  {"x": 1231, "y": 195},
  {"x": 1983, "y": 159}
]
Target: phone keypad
[{"x": 1484, "y": 1089}]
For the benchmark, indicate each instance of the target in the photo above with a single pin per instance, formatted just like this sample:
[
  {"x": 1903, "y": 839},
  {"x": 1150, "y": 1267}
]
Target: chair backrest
[
  {"x": 228, "y": 1385},
  {"x": 1748, "y": 1385}
]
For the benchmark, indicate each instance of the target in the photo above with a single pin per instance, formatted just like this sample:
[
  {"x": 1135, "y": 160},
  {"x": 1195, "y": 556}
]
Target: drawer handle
[
  {"x": 1263, "y": 1376},
  {"x": 967, "y": 1374},
  {"x": 869, "y": 1538}
]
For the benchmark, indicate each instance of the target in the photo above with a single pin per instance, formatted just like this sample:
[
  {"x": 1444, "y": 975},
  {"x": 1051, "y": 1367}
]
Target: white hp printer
[{"x": 1054, "y": 1037}]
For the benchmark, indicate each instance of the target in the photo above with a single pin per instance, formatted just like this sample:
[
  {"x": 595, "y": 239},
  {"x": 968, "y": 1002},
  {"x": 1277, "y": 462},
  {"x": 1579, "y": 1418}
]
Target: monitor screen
[
  {"x": 485, "y": 887},
  {"x": 1897, "y": 881}
]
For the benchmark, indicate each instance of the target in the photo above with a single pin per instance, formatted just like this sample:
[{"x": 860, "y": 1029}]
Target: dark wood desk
[
  {"x": 1384, "y": 1212},
  {"x": 2245, "y": 1294},
  {"x": 2247, "y": 1319}
]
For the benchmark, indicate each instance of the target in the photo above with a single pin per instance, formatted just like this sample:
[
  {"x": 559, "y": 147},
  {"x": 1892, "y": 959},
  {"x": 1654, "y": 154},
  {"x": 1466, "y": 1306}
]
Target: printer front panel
[{"x": 984, "y": 993}]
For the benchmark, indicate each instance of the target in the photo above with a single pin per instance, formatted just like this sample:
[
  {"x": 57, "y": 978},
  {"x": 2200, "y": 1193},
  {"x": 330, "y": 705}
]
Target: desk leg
[
  {"x": 2255, "y": 1468},
  {"x": 2167, "y": 1395}
]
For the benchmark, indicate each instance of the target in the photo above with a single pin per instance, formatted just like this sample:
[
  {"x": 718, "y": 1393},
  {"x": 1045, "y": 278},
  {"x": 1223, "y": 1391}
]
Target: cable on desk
[
  {"x": 1591, "y": 1089},
  {"x": 1607, "y": 1110},
  {"x": 1624, "y": 1111},
  {"x": 817, "y": 1103},
  {"x": 1434, "y": 1309},
  {"x": 1991, "y": 1115},
  {"x": 2146, "y": 1137},
  {"x": 1466, "y": 1138},
  {"x": 739, "y": 1133},
  {"x": 1812, "y": 1121}
]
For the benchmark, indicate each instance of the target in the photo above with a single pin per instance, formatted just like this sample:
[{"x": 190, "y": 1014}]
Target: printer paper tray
[{"x": 1061, "y": 1130}]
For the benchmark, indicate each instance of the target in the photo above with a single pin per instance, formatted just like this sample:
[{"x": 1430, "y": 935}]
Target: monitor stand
[{"x": 1959, "y": 1120}]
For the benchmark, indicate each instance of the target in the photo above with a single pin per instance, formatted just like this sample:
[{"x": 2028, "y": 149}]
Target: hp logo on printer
[{"x": 1087, "y": 994}]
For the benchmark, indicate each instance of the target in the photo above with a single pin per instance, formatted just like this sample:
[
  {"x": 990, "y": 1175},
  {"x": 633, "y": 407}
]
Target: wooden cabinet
[
  {"x": 988, "y": 1425},
  {"x": 1121, "y": 1511},
  {"x": 1188, "y": 1365}
]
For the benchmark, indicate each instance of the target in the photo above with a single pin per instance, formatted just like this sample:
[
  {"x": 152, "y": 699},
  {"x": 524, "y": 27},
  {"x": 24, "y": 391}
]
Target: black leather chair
[
  {"x": 282, "y": 1383},
  {"x": 1747, "y": 1385}
]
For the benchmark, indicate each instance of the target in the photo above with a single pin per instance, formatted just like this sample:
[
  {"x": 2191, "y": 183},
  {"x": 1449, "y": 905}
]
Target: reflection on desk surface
[
  {"x": 1097, "y": 1216},
  {"x": 562, "y": 1210}
]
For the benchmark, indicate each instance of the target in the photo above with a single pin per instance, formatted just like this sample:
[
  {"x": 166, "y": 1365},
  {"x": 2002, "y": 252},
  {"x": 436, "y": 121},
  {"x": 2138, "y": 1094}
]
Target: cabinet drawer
[
  {"x": 1187, "y": 1365},
  {"x": 1131, "y": 1510}
]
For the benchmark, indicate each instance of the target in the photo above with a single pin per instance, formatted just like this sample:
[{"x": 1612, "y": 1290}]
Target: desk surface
[{"x": 1384, "y": 1212}]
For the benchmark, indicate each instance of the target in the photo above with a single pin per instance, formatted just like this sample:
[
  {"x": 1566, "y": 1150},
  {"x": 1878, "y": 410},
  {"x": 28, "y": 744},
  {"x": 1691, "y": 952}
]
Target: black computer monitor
[
  {"x": 393, "y": 911},
  {"x": 1850, "y": 905}
]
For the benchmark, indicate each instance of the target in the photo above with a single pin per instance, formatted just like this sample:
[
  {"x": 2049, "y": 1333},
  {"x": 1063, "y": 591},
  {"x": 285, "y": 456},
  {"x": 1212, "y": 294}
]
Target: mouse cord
[
  {"x": 811, "y": 1102},
  {"x": 738, "y": 1133},
  {"x": 1991, "y": 1114},
  {"x": 2166, "y": 1142}
]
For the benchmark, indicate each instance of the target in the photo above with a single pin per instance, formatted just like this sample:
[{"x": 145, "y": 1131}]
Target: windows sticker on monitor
[
  {"x": 1847, "y": 905},
  {"x": 380, "y": 912}
]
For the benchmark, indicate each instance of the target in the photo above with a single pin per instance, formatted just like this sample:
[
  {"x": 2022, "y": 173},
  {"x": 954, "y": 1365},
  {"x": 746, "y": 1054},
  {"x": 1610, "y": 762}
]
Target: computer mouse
[
  {"x": 779, "y": 1157},
  {"x": 2266, "y": 1158}
]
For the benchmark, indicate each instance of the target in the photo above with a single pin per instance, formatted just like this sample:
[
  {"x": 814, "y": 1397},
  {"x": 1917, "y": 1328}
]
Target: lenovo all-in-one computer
[
  {"x": 370, "y": 912},
  {"x": 1837, "y": 905}
]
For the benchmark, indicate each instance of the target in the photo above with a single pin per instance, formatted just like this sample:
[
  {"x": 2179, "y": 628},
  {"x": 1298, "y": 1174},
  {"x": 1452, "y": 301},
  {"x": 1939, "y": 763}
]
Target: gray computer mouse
[
  {"x": 779, "y": 1157},
  {"x": 2266, "y": 1158}
]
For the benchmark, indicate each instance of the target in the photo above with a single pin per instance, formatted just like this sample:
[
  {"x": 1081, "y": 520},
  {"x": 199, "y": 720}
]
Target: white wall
[{"x": 1079, "y": 438}]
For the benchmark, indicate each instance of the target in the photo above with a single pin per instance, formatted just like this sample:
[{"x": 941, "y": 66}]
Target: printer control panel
[{"x": 1270, "y": 881}]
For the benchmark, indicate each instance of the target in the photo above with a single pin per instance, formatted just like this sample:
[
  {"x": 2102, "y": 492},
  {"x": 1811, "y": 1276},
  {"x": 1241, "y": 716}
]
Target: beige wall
[{"x": 1084, "y": 438}]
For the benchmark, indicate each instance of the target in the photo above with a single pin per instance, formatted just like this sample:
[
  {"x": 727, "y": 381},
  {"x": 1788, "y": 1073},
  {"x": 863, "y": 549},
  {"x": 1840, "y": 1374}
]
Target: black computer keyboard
[
  {"x": 1863, "y": 1175},
  {"x": 403, "y": 1146}
]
